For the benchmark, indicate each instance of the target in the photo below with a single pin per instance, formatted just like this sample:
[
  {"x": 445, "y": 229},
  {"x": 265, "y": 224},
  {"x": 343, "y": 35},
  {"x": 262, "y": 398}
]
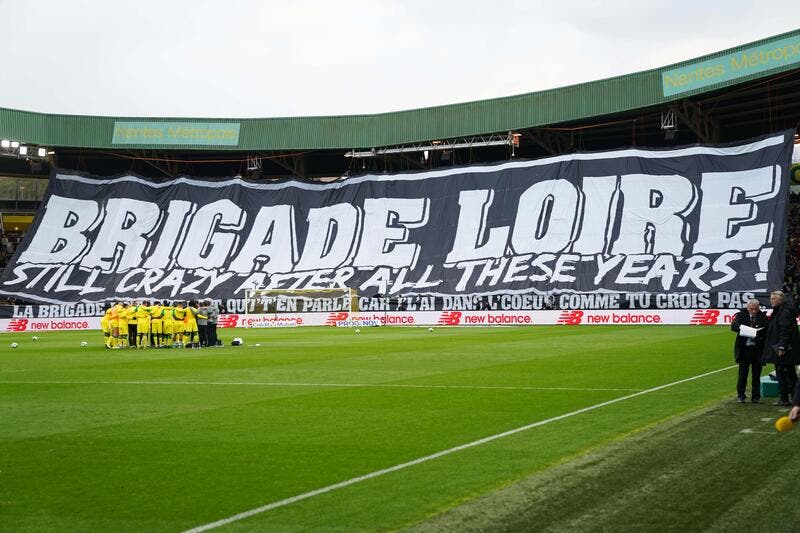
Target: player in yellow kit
[
  {"x": 142, "y": 313},
  {"x": 192, "y": 315},
  {"x": 113, "y": 322},
  {"x": 123, "y": 316},
  {"x": 168, "y": 322},
  {"x": 157, "y": 324},
  {"x": 132, "y": 324},
  {"x": 105, "y": 325},
  {"x": 178, "y": 318}
]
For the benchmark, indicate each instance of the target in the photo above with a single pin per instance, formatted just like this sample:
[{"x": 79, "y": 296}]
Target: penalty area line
[{"x": 426, "y": 458}]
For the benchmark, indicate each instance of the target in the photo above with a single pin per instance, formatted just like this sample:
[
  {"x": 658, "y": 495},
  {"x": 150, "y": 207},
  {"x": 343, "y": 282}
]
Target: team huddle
[{"x": 159, "y": 325}]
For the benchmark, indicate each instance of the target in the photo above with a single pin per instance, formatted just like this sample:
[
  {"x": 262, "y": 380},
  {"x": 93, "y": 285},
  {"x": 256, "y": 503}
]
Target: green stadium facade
[{"x": 733, "y": 94}]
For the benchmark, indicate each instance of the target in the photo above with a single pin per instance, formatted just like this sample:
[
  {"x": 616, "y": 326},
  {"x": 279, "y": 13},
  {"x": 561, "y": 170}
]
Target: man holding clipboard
[
  {"x": 750, "y": 325},
  {"x": 782, "y": 345}
]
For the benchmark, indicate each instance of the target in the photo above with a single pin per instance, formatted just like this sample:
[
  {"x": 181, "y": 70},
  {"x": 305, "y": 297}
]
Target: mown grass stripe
[
  {"x": 336, "y": 385},
  {"x": 420, "y": 460}
]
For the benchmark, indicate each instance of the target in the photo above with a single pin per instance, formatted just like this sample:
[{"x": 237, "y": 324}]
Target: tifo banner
[{"x": 687, "y": 220}]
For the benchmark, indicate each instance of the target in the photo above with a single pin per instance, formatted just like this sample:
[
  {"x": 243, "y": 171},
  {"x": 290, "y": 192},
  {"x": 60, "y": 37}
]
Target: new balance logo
[
  {"x": 333, "y": 318},
  {"x": 570, "y": 318},
  {"x": 705, "y": 317},
  {"x": 450, "y": 318},
  {"x": 228, "y": 321},
  {"x": 19, "y": 324}
]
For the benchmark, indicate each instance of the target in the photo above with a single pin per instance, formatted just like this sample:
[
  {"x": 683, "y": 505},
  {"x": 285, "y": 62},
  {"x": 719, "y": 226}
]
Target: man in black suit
[
  {"x": 747, "y": 350},
  {"x": 782, "y": 345}
]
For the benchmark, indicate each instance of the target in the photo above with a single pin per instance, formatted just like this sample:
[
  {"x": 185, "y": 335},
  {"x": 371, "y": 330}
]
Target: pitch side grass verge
[
  {"x": 167, "y": 440},
  {"x": 721, "y": 468}
]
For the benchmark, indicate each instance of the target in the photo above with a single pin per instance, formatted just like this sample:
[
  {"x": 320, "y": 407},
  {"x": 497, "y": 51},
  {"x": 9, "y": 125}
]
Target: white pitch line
[
  {"x": 311, "y": 385},
  {"x": 401, "y": 466}
]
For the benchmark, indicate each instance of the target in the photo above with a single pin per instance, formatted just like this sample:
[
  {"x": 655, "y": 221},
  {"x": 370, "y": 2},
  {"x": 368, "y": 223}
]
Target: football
[
  {"x": 84, "y": 343},
  {"x": 14, "y": 345},
  {"x": 34, "y": 338},
  {"x": 237, "y": 341}
]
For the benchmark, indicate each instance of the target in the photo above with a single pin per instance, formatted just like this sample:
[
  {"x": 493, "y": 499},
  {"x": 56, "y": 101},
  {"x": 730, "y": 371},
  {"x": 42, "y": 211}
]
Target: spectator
[
  {"x": 782, "y": 345},
  {"x": 747, "y": 350},
  {"x": 213, "y": 316},
  {"x": 202, "y": 323},
  {"x": 8, "y": 245}
]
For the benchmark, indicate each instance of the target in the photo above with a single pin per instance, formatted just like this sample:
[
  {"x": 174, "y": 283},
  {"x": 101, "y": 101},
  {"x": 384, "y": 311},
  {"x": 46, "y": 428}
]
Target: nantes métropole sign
[
  {"x": 690, "y": 219},
  {"x": 176, "y": 133},
  {"x": 731, "y": 66}
]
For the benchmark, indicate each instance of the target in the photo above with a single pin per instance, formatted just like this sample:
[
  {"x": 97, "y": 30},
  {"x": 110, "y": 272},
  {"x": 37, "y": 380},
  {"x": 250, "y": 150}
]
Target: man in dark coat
[
  {"x": 782, "y": 345},
  {"x": 747, "y": 350},
  {"x": 213, "y": 317}
]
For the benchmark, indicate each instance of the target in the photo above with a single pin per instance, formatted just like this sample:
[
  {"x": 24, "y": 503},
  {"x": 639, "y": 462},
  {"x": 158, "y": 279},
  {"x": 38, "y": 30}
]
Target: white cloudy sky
[{"x": 248, "y": 58}]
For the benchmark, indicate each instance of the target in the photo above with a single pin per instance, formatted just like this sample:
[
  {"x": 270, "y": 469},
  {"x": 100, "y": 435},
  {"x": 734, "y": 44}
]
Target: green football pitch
[{"x": 324, "y": 429}]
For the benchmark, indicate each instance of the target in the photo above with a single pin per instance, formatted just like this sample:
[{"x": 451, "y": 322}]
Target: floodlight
[
  {"x": 5, "y": 143},
  {"x": 14, "y": 144},
  {"x": 23, "y": 150},
  {"x": 41, "y": 152},
  {"x": 669, "y": 124}
]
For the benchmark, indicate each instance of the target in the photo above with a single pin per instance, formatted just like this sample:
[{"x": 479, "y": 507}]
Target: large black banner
[{"x": 694, "y": 219}]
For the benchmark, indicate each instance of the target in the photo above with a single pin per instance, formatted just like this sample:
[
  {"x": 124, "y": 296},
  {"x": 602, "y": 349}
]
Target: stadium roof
[
  {"x": 728, "y": 96},
  {"x": 760, "y": 60}
]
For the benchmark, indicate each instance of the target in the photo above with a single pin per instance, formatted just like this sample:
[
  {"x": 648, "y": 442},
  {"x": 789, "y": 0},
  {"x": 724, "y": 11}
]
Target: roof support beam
[
  {"x": 494, "y": 139},
  {"x": 702, "y": 124},
  {"x": 547, "y": 140},
  {"x": 294, "y": 164}
]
